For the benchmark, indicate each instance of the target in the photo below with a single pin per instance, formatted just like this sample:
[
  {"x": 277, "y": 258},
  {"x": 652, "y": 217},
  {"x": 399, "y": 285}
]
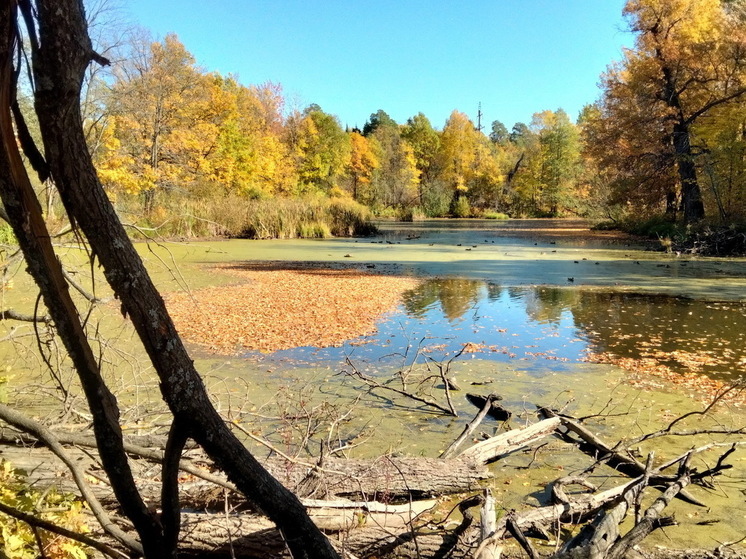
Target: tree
[
  {"x": 362, "y": 164},
  {"x": 467, "y": 162},
  {"x": 626, "y": 143},
  {"x": 378, "y": 119},
  {"x": 251, "y": 158},
  {"x": 457, "y": 153},
  {"x": 396, "y": 179},
  {"x": 425, "y": 141},
  {"x": 154, "y": 102},
  {"x": 560, "y": 158},
  {"x": 499, "y": 134},
  {"x": 322, "y": 150},
  {"x": 723, "y": 142},
  {"x": 61, "y": 51},
  {"x": 519, "y": 133},
  {"x": 688, "y": 60}
]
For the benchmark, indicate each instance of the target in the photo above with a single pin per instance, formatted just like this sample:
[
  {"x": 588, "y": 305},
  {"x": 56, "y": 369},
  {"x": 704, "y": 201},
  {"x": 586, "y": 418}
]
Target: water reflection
[
  {"x": 454, "y": 297},
  {"x": 550, "y": 328}
]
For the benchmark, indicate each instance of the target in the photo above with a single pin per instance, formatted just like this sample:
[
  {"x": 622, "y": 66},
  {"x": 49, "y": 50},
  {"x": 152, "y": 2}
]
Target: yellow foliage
[
  {"x": 16, "y": 538},
  {"x": 363, "y": 159}
]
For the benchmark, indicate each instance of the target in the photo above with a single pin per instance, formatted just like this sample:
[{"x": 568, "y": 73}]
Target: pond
[
  {"x": 547, "y": 291},
  {"x": 537, "y": 304},
  {"x": 545, "y": 312}
]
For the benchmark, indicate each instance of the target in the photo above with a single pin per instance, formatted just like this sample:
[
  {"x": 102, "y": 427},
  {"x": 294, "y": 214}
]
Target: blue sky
[{"x": 516, "y": 57}]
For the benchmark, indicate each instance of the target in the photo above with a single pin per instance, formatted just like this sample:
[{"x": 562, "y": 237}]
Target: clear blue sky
[{"x": 516, "y": 57}]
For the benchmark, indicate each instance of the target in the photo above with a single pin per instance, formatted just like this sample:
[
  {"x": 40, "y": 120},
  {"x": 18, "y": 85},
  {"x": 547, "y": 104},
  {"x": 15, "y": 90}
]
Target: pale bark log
[{"x": 510, "y": 441}]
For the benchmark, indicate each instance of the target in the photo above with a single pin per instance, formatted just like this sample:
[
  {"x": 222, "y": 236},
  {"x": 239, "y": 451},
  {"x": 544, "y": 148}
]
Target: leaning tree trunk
[
  {"x": 23, "y": 212},
  {"x": 60, "y": 58}
]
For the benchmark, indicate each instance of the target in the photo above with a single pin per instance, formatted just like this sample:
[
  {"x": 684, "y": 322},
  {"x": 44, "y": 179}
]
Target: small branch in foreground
[
  {"x": 10, "y": 314},
  {"x": 59, "y": 530},
  {"x": 469, "y": 428},
  {"x": 20, "y": 421}
]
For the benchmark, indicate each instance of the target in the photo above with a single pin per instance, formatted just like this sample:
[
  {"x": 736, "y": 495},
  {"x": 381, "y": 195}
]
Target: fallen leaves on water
[
  {"x": 274, "y": 309},
  {"x": 649, "y": 372}
]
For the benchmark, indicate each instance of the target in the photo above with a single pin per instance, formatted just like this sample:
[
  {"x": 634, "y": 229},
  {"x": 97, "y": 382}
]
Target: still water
[
  {"x": 548, "y": 293},
  {"x": 552, "y": 327}
]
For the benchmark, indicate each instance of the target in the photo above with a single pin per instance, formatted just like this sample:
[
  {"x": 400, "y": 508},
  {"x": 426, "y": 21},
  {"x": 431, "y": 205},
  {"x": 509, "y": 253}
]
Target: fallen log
[
  {"x": 505, "y": 443},
  {"x": 495, "y": 411},
  {"x": 363, "y": 527},
  {"x": 385, "y": 478}
]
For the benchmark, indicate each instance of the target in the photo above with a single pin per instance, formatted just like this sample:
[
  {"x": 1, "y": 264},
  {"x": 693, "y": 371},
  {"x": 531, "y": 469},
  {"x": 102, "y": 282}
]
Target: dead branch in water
[{"x": 373, "y": 385}]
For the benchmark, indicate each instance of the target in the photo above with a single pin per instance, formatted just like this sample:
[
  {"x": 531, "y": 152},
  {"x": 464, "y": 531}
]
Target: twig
[
  {"x": 279, "y": 452},
  {"x": 10, "y": 314},
  {"x": 374, "y": 384},
  {"x": 79, "y": 288},
  {"x": 667, "y": 431}
]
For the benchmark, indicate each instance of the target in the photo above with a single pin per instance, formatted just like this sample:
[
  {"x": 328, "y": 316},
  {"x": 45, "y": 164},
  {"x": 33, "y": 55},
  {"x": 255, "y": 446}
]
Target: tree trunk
[
  {"x": 691, "y": 195},
  {"x": 59, "y": 62},
  {"x": 25, "y": 215}
]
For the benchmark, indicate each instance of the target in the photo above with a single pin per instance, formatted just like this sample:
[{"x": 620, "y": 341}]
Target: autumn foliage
[
  {"x": 666, "y": 136},
  {"x": 272, "y": 309}
]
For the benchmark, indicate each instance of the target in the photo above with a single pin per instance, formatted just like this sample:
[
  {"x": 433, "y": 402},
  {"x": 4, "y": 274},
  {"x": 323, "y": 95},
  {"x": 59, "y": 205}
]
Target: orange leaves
[
  {"x": 281, "y": 309},
  {"x": 652, "y": 366}
]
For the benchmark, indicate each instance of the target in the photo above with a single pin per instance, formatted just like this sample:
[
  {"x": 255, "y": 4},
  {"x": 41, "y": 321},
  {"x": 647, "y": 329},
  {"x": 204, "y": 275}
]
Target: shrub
[
  {"x": 415, "y": 213},
  {"x": 6, "y": 235},
  {"x": 461, "y": 207},
  {"x": 314, "y": 230},
  {"x": 495, "y": 215},
  {"x": 312, "y": 216},
  {"x": 17, "y": 539},
  {"x": 436, "y": 199},
  {"x": 657, "y": 226},
  {"x": 348, "y": 218}
]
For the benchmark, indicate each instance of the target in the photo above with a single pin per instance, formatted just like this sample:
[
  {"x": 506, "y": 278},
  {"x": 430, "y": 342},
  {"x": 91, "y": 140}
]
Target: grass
[
  {"x": 495, "y": 215},
  {"x": 235, "y": 216}
]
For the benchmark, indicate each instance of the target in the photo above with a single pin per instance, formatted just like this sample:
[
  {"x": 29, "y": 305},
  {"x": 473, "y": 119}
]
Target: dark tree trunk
[
  {"x": 59, "y": 61},
  {"x": 691, "y": 195},
  {"x": 25, "y": 215}
]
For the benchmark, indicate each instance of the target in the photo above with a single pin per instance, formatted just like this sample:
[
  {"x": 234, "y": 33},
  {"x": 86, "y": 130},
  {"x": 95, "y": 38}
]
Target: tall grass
[
  {"x": 275, "y": 218},
  {"x": 495, "y": 215}
]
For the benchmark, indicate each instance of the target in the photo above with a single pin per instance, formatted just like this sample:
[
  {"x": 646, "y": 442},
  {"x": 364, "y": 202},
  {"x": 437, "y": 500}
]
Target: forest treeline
[{"x": 201, "y": 152}]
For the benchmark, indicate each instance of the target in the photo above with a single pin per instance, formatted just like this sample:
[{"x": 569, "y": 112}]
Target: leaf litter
[{"x": 282, "y": 307}]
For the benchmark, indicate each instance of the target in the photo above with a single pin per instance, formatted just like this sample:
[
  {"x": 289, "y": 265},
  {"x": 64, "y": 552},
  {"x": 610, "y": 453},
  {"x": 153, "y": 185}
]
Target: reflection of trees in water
[
  {"x": 632, "y": 325},
  {"x": 545, "y": 304},
  {"x": 455, "y": 296},
  {"x": 710, "y": 335},
  {"x": 619, "y": 322}
]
